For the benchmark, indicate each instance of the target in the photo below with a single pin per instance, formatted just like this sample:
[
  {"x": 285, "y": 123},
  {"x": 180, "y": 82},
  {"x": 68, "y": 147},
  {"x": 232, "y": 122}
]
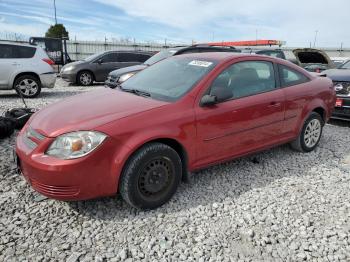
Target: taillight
[
  {"x": 339, "y": 102},
  {"x": 49, "y": 61}
]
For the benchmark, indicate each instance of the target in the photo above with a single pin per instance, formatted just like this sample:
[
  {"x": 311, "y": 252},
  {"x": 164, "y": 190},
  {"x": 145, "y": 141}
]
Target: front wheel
[
  {"x": 310, "y": 134},
  {"x": 151, "y": 176},
  {"x": 85, "y": 78}
]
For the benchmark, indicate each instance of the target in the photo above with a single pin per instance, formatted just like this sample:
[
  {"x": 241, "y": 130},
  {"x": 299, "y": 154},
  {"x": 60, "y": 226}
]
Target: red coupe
[{"x": 179, "y": 115}]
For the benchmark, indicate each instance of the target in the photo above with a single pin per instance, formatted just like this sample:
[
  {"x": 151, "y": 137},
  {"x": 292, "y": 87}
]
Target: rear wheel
[
  {"x": 28, "y": 86},
  {"x": 151, "y": 176},
  {"x": 310, "y": 134},
  {"x": 85, "y": 78}
]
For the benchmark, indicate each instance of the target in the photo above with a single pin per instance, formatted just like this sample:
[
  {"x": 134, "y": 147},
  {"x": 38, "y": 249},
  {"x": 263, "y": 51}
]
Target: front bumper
[
  {"x": 69, "y": 77},
  {"x": 84, "y": 178},
  {"x": 48, "y": 80},
  {"x": 342, "y": 112}
]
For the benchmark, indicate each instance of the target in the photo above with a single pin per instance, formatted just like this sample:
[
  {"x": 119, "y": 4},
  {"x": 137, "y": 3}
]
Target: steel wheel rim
[
  {"x": 85, "y": 78},
  {"x": 28, "y": 87},
  {"x": 312, "y": 133},
  {"x": 155, "y": 177}
]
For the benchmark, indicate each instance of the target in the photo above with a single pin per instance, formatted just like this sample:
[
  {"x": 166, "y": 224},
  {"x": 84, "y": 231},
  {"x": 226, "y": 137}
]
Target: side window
[
  {"x": 24, "y": 51},
  {"x": 244, "y": 79},
  {"x": 128, "y": 57},
  {"x": 6, "y": 51},
  {"x": 109, "y": 58},
  {"x": 290, "y": 77},
  {"x": 142, "y": 58}
]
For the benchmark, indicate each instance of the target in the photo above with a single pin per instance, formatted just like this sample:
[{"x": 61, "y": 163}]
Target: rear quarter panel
[{"x": 305, "y": 98}]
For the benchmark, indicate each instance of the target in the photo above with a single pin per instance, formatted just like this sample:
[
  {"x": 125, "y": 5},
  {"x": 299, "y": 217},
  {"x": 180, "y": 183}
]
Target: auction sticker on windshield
[{"x": 200, "y": 63}]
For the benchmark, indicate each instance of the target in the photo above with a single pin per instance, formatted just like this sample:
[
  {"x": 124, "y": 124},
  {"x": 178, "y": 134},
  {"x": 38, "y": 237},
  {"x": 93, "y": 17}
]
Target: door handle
[
  {"x": 274, "y": 104},
  {"x": 15, "y": 63}
]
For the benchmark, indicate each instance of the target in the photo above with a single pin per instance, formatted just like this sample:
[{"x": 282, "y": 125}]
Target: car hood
[
  {"x": 89, "y": 111},
  {"x": 341, "y": 75},
  {"x": 128, "y": 69},
  {"x": 307, "y": 56}
]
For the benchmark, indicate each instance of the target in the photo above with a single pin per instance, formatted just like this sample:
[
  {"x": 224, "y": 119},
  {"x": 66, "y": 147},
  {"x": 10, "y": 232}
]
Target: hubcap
[
  {"x": 155, "y": 178},
  {"x": 28, "y": 87},
  {"x": 85, "y": 79},
  {"x": 312, "y": 133}
]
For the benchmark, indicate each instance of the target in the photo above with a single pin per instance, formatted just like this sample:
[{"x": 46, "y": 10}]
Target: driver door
[
  {"x": 251, "y": 117},
  {"x": 104, "y": 65}
]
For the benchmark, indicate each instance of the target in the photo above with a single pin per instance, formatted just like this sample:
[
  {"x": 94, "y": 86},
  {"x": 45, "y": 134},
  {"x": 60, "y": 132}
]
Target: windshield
[
  {"x": 160, "y": 56},
  {"x": 345, "y": 65},
  {"x": 170, "y": 79},
  {"x": 92, "y": 57}
]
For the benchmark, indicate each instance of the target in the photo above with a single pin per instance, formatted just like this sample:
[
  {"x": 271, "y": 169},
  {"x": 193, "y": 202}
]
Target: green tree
[{"x": 57, "y": 31}]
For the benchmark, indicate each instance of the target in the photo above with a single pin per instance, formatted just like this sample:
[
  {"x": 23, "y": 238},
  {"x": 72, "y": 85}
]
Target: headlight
[
  {"x": 125, "y": 77},
  {"x": 68, "y": 68},
  {"x": 75, "y": 144}
]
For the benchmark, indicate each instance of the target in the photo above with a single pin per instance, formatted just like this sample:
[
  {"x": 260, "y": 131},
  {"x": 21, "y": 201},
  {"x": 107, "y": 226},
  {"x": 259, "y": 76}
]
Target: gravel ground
[{"x": 278, "y": 205}]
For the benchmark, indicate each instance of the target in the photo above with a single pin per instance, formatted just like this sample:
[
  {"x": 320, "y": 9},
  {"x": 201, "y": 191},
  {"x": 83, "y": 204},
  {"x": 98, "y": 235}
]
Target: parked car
[
  {"x": 341, "y": 80},
  {"x": 313, "y": 60},
  {"x": 338, "y": 61},
  {"x": 25, "y": 68},
  {"x": 272, "y": 52},
  {"x": 119, "y": 76},
  {"x": 97, "y": 67},
  {"x": 182, "y": 114}
]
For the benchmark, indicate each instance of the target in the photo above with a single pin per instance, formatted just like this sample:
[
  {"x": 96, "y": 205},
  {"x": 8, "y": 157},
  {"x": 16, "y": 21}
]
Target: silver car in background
[{"x": 25, "y": 68}]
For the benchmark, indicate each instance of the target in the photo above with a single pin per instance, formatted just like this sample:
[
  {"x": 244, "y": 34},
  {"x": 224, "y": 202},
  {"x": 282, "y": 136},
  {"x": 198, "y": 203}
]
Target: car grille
[
  {"x": 58, "y": 191},
  {"x": 346, "y": 88},
  {"x": 112, "y": 79},
  {"x": 32, "y": 138}
]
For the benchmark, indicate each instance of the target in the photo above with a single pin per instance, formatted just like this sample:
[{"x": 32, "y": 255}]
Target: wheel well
[
  {"x": 181, "y": 152},
  {"x": 321, "y": 112},
  {"x": 86, "y": 70},
  {"x": 25, "y": 74}
]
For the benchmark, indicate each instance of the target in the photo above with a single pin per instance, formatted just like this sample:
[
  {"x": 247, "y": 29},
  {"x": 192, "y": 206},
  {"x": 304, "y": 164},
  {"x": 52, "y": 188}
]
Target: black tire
[
  {"x": 85, "y": 78},
  {"x": 6, "y": 127},
  {"x": 301, "y": 142},
  {"x": 29, "y": 86},
  {"x": 19, "y": 116},
  {"x": 151, "y": 176}
]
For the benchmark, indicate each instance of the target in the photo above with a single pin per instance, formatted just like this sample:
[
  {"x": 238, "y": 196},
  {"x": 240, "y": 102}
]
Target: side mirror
[
  {"x": 208, "y": 100},
  {"x": 100, "y": 61},
  {"x": 221, "y": 93}
]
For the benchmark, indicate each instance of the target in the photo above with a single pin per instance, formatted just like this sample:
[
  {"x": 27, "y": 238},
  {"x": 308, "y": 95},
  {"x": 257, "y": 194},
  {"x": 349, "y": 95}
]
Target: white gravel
[{"x": 278, "y": 205}]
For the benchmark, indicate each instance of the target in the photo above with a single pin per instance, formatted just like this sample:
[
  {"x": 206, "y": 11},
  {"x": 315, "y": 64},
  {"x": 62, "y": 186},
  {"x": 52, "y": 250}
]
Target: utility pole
[
  {"x": 54, "y": 5},
  {"x": 316, "y": 32}
]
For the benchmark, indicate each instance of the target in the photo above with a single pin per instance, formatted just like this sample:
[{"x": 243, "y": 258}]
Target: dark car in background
[
  {"x": 341, "y": 80},
  {"x": 97, "y": 66},
  {"x": 120, "y": 75}
]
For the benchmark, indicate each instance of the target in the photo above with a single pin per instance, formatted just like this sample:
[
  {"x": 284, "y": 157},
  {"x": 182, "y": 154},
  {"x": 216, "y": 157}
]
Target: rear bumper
[
  {"x": 69, "y": 77},
  {"x": 48, "y": 80},
  {"x": 342, "y": 112}
]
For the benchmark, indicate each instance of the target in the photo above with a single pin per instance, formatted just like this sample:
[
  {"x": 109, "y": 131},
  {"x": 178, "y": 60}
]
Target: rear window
[{"x": 14, "y": 51}]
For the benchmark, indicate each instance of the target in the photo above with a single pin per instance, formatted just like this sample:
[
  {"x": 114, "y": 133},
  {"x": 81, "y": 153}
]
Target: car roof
[{"x": 16, "y": 44}]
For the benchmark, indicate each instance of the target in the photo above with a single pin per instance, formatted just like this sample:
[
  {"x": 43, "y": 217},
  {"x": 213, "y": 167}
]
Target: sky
[{"x": 184, "y": 21}]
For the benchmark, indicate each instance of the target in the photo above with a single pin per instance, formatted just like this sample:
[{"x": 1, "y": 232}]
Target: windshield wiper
[{"x": 135, "y": 91}]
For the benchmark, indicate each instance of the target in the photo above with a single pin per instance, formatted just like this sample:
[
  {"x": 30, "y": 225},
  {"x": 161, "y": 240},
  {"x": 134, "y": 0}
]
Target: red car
[{"x": 182, "y": 114}]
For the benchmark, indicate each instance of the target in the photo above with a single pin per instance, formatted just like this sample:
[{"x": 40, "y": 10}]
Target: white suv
[{"x": 25, "y": 68}]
